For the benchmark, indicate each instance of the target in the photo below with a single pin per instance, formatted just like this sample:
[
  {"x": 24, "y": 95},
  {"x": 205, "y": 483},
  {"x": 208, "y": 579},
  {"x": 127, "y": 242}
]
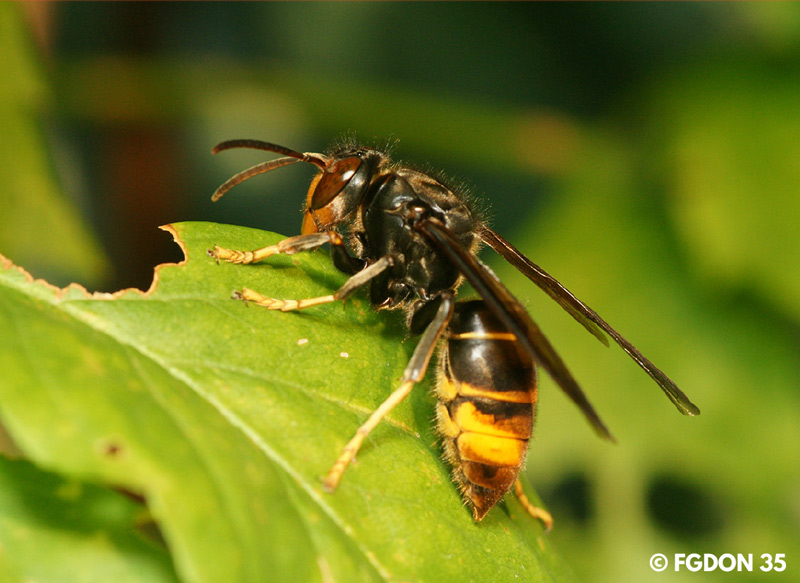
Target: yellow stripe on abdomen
[
  {"x": 510, "y": 420},
  {"x": 491, "y": 450}
]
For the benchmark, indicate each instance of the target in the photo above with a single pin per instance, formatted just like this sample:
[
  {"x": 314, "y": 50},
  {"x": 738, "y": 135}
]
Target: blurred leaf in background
[
  {"x": 87, "y": 532},
  {"x": 38, "y": 227},
  {"x": 672, "y": 483}
]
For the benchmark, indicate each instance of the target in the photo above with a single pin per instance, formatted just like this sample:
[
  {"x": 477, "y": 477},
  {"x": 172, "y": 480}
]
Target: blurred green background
[{"x": 647, "y": 155}]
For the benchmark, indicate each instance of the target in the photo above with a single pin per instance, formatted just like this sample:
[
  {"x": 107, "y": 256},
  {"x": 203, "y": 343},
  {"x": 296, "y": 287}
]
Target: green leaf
[
  {"x": 224, "y": 416},
  {"x": 88, "y": 531}
]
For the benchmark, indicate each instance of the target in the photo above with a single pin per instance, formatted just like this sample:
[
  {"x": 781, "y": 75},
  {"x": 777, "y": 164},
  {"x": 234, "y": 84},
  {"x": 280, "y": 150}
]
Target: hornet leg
[
  {"x": 535, "y": 511},
  {"x": 288, "y": 246},
  {"x": 414, "y": 373},
  {"x": 351, "y": 285}
]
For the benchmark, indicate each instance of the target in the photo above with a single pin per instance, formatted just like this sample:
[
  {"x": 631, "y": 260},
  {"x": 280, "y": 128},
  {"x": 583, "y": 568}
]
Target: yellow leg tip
[
  {"x": 331, "y": 481},
  {"x": 241, "y": 257},
  {"x": 228, "y": 255},
  {"x": 539, "y": 514}
]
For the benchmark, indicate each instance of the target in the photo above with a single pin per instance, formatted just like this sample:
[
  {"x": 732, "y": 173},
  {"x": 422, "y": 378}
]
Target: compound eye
[{"x": 333, "y": 181}]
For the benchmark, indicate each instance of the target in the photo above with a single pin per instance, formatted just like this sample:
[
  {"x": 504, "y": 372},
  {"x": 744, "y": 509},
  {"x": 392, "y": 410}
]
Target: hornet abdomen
[{"x": 487, "y": 394}]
